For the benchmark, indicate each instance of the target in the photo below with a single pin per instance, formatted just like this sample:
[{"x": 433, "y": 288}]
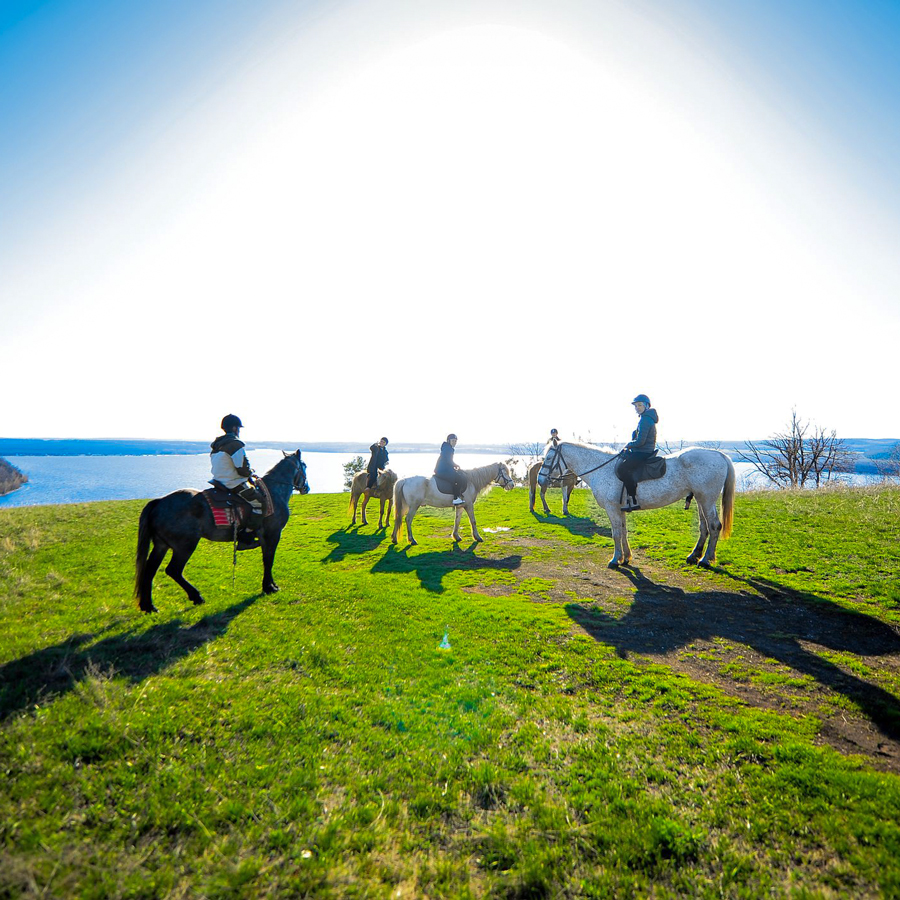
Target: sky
[{"x": 342, "y": 219}]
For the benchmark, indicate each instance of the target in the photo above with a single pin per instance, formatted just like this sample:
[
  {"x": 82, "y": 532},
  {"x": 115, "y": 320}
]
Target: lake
[{"x": 80, "y": 479}]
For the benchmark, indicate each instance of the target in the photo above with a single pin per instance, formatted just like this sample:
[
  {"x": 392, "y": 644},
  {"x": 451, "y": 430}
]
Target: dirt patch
[{"x": 768, "y": 646}]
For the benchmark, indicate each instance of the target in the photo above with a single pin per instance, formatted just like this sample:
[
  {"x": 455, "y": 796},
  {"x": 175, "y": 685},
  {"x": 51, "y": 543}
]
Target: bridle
[
  {"x": 507, "y": 481},
  {"x": 299, "y": 476},
  {"x": 560, "y": 465}
]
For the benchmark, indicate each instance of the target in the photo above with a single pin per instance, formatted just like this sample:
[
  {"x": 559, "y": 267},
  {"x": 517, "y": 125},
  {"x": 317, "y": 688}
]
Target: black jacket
[
  {"x": 445, "y": 467},
  {"x": 378, "y": 459},
  {"x": 643, "y": 438}
]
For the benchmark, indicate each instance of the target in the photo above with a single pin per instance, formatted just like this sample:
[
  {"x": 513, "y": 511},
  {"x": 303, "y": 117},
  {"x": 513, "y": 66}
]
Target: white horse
[
  {"x": 411, "y": 493},
  {"x": 698, "y": 471}
]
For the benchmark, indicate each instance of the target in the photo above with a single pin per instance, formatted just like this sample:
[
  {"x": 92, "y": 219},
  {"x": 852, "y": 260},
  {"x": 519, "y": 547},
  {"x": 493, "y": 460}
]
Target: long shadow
[
  {"x": 432, "y": 567},
  {"x": 583, "y": 525},
  {"x": 348, "y": 541},
  {"x": 662, "y": 619},
  {"x": 135, "y": 655}
]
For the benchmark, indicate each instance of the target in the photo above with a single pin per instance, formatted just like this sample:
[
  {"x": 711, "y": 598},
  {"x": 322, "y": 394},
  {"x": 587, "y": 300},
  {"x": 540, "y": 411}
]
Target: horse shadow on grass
[
  {"x": 348, "y": 541},
  {"x": 430, "y": 568},
  {"x": 773, "y": 620},
  {"x": 136, "y": 655},
  {"x": 582, "y": 525}
]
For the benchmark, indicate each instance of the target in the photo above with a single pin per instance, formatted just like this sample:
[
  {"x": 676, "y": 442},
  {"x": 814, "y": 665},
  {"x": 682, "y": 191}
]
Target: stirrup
[{"x": 458, "y": 501}]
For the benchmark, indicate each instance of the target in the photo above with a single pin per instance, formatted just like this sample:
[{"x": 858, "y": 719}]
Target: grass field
[{"x": 659, "y": 730}]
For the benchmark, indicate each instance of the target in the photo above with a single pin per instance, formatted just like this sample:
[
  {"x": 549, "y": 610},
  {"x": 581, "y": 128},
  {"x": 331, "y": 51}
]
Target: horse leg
[
  {"x": 409, "y": 517},
  {"x": 697, "y": 552},
  {"x": 566, "y": 492},
  {"x": 458, "y": 514},
  {"x": 354, "y": 497},
  {"x": 175, "y": 568},
  {"x": 269, "y": 546},
  {"x": 387, "y": 516},
  {"x": 713, "y": 527},
  {"x": 618, "y": 527},
  {"x": 532, "y": 487},
  {"x": 145, "y": 589},
  {"x": 366, "y": 496},
  {"x": 471, "y": 511},
  {"x": 544, "y": 497}
]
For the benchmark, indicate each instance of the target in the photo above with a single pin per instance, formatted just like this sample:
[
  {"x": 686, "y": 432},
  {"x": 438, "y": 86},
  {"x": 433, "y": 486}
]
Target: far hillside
[{"x": 10, "y": 477}]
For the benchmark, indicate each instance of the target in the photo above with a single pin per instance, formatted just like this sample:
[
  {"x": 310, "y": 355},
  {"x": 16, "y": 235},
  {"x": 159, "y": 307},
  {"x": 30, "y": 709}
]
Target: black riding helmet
[
  {"x": 642, "y": 398},
  {"x": 230, "y": 422}
]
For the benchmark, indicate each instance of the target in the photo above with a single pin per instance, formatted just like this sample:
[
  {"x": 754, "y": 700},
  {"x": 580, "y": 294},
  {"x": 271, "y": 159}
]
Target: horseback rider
[
  {"x": 378, "y": 460},
  {"x": 640, "y": 448},
  {"x": 231, "y": 471},
  {"x": 446, "y": 468},
  {"x": 554, "y": 437}
]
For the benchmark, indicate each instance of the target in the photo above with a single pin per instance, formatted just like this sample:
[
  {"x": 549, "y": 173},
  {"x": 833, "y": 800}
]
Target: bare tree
[
  {"x": 802, "y": 454},
  {"x": 889, "y": 467}
]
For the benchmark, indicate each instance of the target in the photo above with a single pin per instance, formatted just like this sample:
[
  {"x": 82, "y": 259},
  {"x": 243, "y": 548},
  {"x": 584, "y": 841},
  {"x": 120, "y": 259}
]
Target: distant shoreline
[
  {"x": 868, "y": 450},
  {"x": 11, "y": 478}
]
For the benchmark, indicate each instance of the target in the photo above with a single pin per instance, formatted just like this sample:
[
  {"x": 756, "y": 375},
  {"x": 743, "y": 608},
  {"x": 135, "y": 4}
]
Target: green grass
[{"x": 318, "y": 742}]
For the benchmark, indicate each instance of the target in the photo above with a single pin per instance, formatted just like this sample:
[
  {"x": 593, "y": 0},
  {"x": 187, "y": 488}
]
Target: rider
[
  {"x": 231, "y": 470},
  {"x": 378, "y": 460},
  {"x": 448, "y": 469},
  {"x": 554, "y": 437},
  {"x": 641, "y": 447}
]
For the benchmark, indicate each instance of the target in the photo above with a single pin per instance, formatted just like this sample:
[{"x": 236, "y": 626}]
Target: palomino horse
[
  {"x": 177, "y": 521},
  {"x": 568, "y": 485},
  {"x": 411, "y": 493},
  {"x": 698, "y": 471},
  {"x": 383, "y": 491}
]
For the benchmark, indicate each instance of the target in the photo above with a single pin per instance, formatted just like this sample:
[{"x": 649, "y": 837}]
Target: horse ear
[{"x": 285, "y": 454}]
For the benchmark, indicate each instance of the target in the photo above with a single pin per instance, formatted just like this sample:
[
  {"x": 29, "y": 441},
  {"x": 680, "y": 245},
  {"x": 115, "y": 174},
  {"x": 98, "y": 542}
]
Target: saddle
[
  {"x": 445, "y": 485},
  {"x": 229, "y": 509},
  {"x": 650, "y": 469}
]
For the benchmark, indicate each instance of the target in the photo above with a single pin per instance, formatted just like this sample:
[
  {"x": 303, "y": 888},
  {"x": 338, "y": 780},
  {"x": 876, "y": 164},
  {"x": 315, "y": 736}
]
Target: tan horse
[
  {"x": 568, "y": 485},
  {"x": 411, "y": 493},
  {"x": 383, "y": 491}
]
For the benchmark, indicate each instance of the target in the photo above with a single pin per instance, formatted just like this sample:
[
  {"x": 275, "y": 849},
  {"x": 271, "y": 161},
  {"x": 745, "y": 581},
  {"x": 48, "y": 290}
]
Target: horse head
[
  {"x": 503, "y": 478},
  {"x": 553, "y": 465},
  {"x": 298, "y": 482}
]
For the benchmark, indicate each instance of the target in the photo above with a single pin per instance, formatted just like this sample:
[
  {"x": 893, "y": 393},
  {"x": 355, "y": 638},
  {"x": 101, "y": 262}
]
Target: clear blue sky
[{"x": 449, "y": 202}]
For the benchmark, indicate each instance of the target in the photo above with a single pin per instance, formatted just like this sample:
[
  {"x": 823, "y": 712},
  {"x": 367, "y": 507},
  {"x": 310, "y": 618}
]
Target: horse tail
[
  {"x": 728, "y": 500},
  {"x": 145, "y": 536}
]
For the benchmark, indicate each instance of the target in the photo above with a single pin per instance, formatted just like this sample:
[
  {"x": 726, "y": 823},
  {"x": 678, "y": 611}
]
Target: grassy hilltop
[{"x": 590, "y": 733}]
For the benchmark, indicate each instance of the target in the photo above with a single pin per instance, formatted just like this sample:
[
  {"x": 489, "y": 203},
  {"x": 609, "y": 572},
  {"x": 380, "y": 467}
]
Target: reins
[{"x": 559, "y": 461}]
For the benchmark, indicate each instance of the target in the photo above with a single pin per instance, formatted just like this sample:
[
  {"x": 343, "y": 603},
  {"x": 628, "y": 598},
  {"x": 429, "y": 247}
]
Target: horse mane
[
  {"x": 584, "y": 446},
  {"x": 482, "y": 477},
  {"x": 287, "y": 462}
]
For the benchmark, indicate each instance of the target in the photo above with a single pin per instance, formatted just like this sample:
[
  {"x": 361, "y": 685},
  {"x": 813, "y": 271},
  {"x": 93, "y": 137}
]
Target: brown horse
[
  {"x": 568, "y": 480},
  {"x": 383, "y": 491}
]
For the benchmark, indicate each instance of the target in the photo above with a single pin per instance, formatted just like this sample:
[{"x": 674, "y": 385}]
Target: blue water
[{"x": 79, "y": 479}]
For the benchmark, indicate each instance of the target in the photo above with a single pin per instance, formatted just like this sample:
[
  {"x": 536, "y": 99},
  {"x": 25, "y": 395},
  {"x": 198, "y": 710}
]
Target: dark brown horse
[{"x": 177, "y": 521}]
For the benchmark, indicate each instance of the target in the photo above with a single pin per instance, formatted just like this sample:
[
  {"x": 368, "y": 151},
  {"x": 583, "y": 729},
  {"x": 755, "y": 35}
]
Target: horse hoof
[
  {"x": 198, "y": 600},
  {"x": 271, "y": 589},
  {"x": 705, "y": 564},
  {"x": 693, "y": 560},
  {"x": 612, "y": 564},
  {"x": 413, "y": 543},
  {"x": 149, "y": 610}
]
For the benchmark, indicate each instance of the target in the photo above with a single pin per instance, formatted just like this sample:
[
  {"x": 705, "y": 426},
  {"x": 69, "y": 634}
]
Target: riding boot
[{"x": 248, "y": 538}]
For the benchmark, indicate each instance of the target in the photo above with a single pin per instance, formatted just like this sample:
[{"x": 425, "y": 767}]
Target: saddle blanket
[{"x": 227, "y": 508}]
